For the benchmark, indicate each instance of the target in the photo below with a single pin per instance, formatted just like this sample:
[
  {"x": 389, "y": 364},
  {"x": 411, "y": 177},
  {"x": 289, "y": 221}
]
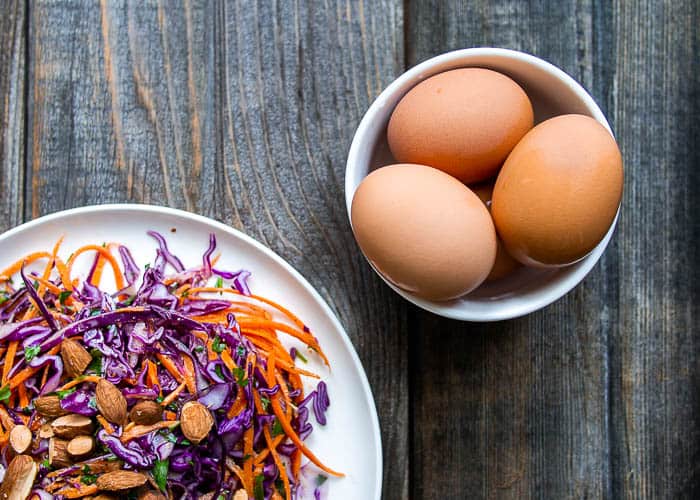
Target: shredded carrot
[
  {"x": 77, "y": 381},
  {"x": 15, "y": 268},
  {"x": 173, "y": 395},
  {"x": 23, "y": 400},
  {"x": 78, "y": 492},
  {"x": 9, "y": 360},
  {"x": 170, "y": 365},
  {"x": 248, "y": 464},
  {"x": 27, "y": 372},
  {"x": 141, "y": 430},
  {"x": 106, "y": 425},
  {"x": 169, "y": 415},
  {"x": 118, "y": 277},
  {"x": 189, "y": 374}
]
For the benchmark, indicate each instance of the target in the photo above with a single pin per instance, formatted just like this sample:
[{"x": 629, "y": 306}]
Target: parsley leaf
[
  {"x": 240, "y": 350},
  {"x": 160, "y": 473},
  {"x": 5, "y": 393},
  {"x": 277, "y": 429},
  {"x": 219, "y": 282},
  {"x": 320, "y": 480},
  {"x": 31, "y": 352},
  {"x": 258, "y": 490},
  {"x": 88, "y": 478},
  {"x": 4, "y": 296},
  {"x": 63, "y": 296},
  {"x": 302, "y": 357},
  {"x": 95, "y": 365},
  {"x": 63, "y": 394},
  {"x": 239, "y": 373},
  {"x": 264, "y": 402},
  {"x": 218, "y": 345}
]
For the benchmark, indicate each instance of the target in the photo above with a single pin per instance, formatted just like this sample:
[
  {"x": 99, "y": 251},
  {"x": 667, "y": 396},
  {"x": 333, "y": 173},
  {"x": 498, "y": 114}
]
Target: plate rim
[{"x": 220, "y": 226}]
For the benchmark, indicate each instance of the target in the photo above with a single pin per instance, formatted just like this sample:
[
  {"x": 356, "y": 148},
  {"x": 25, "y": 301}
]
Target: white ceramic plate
[{"x": 350, "y": 442}]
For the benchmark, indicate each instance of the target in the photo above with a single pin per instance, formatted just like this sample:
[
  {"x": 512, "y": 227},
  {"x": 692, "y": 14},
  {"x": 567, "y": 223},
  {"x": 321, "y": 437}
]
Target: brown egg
[
  {"x": 558, "y": 191},
  {"x": 424, "y": 231},
  {"x": 504, "y": 264},
  {"x": 464, "y": 122}
]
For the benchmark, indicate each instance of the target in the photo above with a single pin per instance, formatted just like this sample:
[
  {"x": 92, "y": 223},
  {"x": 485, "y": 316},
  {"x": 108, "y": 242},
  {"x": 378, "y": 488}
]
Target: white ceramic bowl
[{"x": 552, "y": 93}]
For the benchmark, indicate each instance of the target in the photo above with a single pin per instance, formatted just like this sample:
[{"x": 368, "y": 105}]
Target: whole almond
[
  {"x": 69, "y": 426},
  {"x": 147, "y": 494},
  {"x": 80, "y": 446},
  {"x": 20, "y": 438},
  {"x": 195, "y": 421},
  {"x": 120, "y": 480},
  {"x": 58, "y": 455},
  {"x": 19, "y": 478},
  {"x": 111, "y": 402},
  {"x": 49, "y": 406},
  {"x": 75, "y": 358},
  {"x": 146, "y": 413}
]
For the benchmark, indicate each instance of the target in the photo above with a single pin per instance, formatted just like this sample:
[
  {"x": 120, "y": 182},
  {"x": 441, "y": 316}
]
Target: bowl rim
[{"x": 548, "y": 293}]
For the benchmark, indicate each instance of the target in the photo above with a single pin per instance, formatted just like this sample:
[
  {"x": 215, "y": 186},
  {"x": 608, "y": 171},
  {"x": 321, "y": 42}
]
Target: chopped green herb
[
  {"x": 277, "y": 428},
  {"x": 147, "y": 266},
  {"x": 258, "y": 490},
  {"x": 320, "y": 480},
  {"x": 160, "y": 473},
  {"x": 95, "y": 365},
  {"x": 184, "y": 294},
  {"x": 279, "y": 485},
  {"x": 302, "y": 357},
  {"x": 5, "y": 393},
  {"x": 31, "y": 352},
  {"x": 219, "y": 282},
  {"x": 88, "y": 478},
  {"x": 264, "y": 402},
  {"x": 170, "y": 437},
  {"x": 46, "y": 463},
  {"x": 159, "y": 399},
  {"x": 86, "y": 469},
  {"x": 130, "y": 300},
  {"x": 239, "y": 373},
  {"x": 63, "y": 296},
  {"x": 95, "y": 312},
  {"x": 218, "y": 345},
  {"x": 247, "y": 456},
  {"x": 35, "y": 284},
  {"x": 185, "y": 442},
  {"x": 240, "y": 350},
  {"x": 172, "y": 407},
  {"x": 198, "y": 348},
  {"x": 219, "y": 371},
  {"x": 4, "y": 296},
  {"x": 63, "y": 394}
]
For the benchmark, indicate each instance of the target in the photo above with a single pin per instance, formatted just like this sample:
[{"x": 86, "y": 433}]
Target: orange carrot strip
[
  {"x": 228, "y": 361},
  {"x": 289, "y": 431},
  {"x": 106, "y": 425},
  {"x": 248, "y": 464},
  {"x": 237, "y": 405},
  {"x": 27, "y": 372},
  {"x": 48, "y": 285},
  {"x": 173, "y": 395},
  {"x": 64, "y": 274},
  {"x": 170, "y": 365},
  {"x": 189, "y": 374},
  {"x": 9, "y": 360},
  {"x": 14, "y": 268},
  {"x": 79, "y": 492},
  {"x": 79, "y": 380},
  {"x": 23, "y": 400},
  {"x": 296, "y": 463},
  {"x": 271, "y": 446},
  {"x": 97, "y": 274},
  {"x": 169, "y": 415},
  {"x": 118, "y": 277}
]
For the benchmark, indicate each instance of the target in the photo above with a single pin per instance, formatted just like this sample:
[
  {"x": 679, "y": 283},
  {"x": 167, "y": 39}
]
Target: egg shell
[
  {"x": 505, "y": 263},
  {"x": 464, "y": 122},
  {"x": 424, "y": 231},
  {"x": 559, "y": 191}
]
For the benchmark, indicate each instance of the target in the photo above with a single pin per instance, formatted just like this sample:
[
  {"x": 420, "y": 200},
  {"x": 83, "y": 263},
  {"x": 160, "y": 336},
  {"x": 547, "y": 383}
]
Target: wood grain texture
[
  {"x": 241, "y": 111},
  {"x": 597, "y": 395},
  {"x": 12, "y": 85}
]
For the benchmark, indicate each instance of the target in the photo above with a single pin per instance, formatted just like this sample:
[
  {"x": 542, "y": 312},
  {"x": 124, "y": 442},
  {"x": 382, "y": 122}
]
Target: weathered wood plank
[
  {"x": 12, "y": 85},
  {"x": 655, "y": 349},
  {"x": 242, "y": 111},
  {"x": 515, "y": 409}
]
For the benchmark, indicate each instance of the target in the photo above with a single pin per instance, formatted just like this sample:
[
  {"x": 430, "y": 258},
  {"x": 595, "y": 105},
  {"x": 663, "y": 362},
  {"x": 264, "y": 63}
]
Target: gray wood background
[{"x": 244, "y": 112}]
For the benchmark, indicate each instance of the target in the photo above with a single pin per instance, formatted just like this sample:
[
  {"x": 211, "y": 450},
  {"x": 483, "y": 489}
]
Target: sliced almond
[
  {"x": 146, "y": 494},
  {"x": 80, "y": 446},
  {"x": 19, "y": 478},
  {"x": 49, "y": 406},
  {"x": 120, "y": 480},
  {"x": 240, "y": 495},
  {"x": 45, "y": 431},
  {"x": 146, "y": 413},
  {"x": 58, "y": 455},
  {"x": 75, "y": 358},
  {"x": 20, "y": 438},
  {"x": 69, "y": 426},
  {"x": 111, "y": 402},
  {"x": 195, "y": 421}
]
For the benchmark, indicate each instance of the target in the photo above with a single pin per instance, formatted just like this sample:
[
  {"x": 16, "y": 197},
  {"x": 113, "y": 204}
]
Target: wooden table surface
[{"x": 244, "y": 112}]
